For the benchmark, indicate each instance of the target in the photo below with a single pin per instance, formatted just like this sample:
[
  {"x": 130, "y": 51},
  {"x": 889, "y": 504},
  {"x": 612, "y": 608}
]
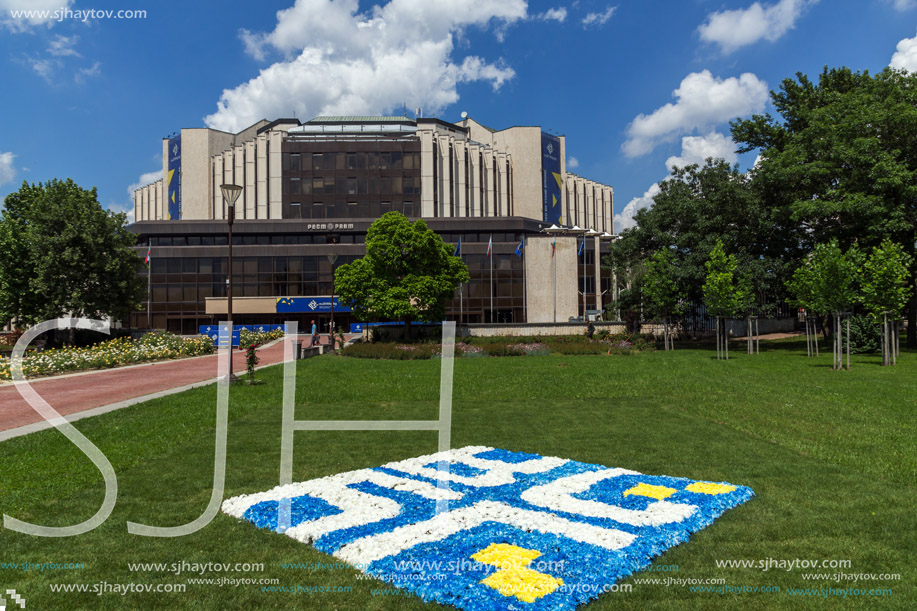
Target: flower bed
[
  {"x": 259, "y": 338},
  {"x": 507, "y": 531},
  {"x": 113, "y": 353}
]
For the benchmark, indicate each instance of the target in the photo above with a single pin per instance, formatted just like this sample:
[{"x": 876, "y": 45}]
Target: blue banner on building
[
  {"x": 551, "y": 179},
  {"x": 318, "y": 305},
  {"x": 174, "y": 179}
]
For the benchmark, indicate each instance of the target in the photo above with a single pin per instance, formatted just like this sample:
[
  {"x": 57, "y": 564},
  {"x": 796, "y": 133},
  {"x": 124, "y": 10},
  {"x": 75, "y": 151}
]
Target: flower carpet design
[{"x": 511, "y": 530}]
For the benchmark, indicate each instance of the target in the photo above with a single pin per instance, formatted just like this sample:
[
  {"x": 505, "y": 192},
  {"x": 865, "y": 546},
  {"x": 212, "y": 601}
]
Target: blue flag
[
  {"x": 458, "y": 248},
  {"x": 581, "y": 246},
  {"x": 520, "y": 247}
]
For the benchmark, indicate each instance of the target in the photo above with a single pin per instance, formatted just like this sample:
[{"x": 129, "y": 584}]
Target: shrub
[
  {"x": 503, "y": 350},
  {"x": 393, "y": 351},
  {"x": 865, "y": 334}
]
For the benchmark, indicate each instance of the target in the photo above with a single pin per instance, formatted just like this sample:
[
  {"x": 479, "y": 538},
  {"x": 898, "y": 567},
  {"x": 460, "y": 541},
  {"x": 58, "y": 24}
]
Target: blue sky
[{"x": 635, "y": 85}]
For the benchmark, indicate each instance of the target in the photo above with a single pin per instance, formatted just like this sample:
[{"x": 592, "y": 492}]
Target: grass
[{"x": 829, "y": 454}]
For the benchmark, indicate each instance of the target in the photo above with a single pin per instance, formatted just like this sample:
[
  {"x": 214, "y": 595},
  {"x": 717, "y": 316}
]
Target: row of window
[
  {"x": 343, "y": 162},
  {"x": 344, "y": 186},
  {"x": 319, "y": 238}
]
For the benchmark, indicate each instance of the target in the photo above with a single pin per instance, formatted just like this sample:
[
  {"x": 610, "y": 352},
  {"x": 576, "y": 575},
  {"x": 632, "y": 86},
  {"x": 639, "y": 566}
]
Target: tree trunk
[{"x": 407, "y": 329}]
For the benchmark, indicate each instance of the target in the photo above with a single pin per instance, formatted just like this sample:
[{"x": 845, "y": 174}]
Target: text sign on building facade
[
  {"x": 174, "y": 178},
  {"x": 299, "y": 305},
  {"x": 551, "y": 179}
]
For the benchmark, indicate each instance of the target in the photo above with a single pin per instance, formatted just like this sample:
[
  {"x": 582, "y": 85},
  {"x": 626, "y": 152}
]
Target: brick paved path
[{"x": 76, "y": 393}]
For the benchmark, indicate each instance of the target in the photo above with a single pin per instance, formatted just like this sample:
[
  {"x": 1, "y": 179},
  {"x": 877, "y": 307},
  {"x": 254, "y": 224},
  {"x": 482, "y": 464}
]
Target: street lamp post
[
  {"x": 331, "y": 259},
  {"x": 230, "y": 195}
]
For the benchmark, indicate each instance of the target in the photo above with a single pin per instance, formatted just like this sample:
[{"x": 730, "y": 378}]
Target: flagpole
[
  {"x": 149, "y": 288},
  {"x": 461, "y": 296},
  {"x": 491, "y": 249},
  {"x": 525, "y": 312},
  {"x": 554, "y": 274},
  {"x": 584, "y": 278}
]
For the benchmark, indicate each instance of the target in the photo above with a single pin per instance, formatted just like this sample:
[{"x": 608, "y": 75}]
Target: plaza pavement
[{"x": 91, "y": 393}]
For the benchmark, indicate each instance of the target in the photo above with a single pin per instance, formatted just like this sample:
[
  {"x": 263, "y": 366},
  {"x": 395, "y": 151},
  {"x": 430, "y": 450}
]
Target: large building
[{"x": 310, "y": 190}]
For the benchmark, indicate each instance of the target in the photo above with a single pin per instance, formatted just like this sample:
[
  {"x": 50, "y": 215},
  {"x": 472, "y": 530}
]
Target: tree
[
  {"x": 661, "y": 296},
  {"x": 842, "y": 157},
  {"x": 885, "y": 291},
  {"x": 700, "y": 205},
  {"x": 827, "y": 284},
  {"x": 725, "y": 293},
  {"x": 62, "y": 254},
  {"x": 408, "y": 273}
]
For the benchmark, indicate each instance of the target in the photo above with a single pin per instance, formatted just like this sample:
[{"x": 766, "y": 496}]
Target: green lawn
[{"x": 830, "y": 456}]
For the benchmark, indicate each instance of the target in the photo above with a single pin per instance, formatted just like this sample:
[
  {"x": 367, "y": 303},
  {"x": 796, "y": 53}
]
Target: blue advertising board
[
  {"x": 308, "y": 305},
  {"x": 551, "y": 179},
  {"x": 173, "y": 181}
]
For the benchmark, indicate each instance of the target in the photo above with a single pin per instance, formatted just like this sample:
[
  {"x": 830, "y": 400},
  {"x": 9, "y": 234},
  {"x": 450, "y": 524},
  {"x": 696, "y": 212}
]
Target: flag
[
  {"x": 149, "y": 253},
  {"x": 581, "y": 246},
  {"x": 553, "y": 246},
  {"x": 520, "y": 247},
  {"x": 490, "y": 245},
  {"x": 458, "y": 248}
]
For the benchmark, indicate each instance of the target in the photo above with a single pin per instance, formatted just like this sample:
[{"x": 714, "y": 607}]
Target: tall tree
[
  {"x": 661, "y": 296},
  {"x": 885, "y": 290},
  {"x": 696, "y": 207},
  {"x": 62, "y": 254},
  {"x": 408, "y": 273},
  {"x": 843, "y": 156},
  {"x": 726, "y": 292}
]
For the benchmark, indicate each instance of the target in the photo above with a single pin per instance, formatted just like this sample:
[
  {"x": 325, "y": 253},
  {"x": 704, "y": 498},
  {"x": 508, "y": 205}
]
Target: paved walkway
[{"x": 108, "y": 389}]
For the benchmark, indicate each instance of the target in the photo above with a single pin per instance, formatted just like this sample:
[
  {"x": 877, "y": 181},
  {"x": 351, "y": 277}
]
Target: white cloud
[
  {"x": 7, "y": 171},
  {"x": 572, "y": 163},
  {"x": 625, "y": 220},
  {"x": 905, "y": 57},
  {"x": 339, "y": 61},
  {"x": 553, "y": 14},
  {"x": 62, "y": 46},
  {"x": 128, "y": 210},
  {"x": 702, "y": 101},
  {"x": 43, "y": 67},
  {"x": 41, "y": 12},
  {"x": 85, "y": 73},
  {"x": 902, "y": 5},
  {"x": 696, "y": 149},
  {"x": 599, "y": 18},
  {"x": 738, "y": 28},
  {"x": 144, "y": 180}
]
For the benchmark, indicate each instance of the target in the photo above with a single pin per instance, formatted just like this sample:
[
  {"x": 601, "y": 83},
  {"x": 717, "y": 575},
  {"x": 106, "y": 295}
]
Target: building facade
[{"x": 310, "y": 190}]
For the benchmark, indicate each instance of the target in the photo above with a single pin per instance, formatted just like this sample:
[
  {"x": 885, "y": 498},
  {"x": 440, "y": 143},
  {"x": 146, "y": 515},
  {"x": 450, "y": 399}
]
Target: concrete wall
[
  {"x": 534, "y": 330},
  {"x": 540, "y": 276}
]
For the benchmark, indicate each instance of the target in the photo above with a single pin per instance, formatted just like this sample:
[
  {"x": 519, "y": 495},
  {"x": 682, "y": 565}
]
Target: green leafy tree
[
  {"x": 62, "y": 254},
  {"x": 827, "y": 284},
  {"x": 725, "y": 292},
  {"x": 841, "y": 155},
  {"x": 698, "y": 206},
  {"x": 661, "y": 297},
  {"x": 886, "y": 280},
  {"x": 408, "y": 273}
]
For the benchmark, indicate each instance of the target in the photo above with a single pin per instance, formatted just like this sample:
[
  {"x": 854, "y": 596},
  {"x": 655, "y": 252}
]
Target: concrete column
[
  {"x": 238, "y": 171},
  {"x": 248, "y": 186},
  {"x": 597, "y": 244},
  {"x": 540, "y": 279},
  {"x": 444, "y": 178},
  {"x": 426, "y": 173},
  {"x": 227, "y": 177},
  {"x": 490, "y": 192},
  {"x": 274, "y": 174},
  {"x": 461, "y": 180},
  {"x": 474, "y": 182},
  {"x": 261, "y": 177},
  {"x": 160, "y": 199},
  {"x": 502, "y": 186}
]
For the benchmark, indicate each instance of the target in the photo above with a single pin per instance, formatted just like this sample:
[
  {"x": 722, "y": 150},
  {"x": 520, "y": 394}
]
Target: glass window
[
  {"x": 396, "y": 185},
  {"x": 220, "y": 240},
  {"x": 374, "y": 185},
  {"x": 306, "y": 186},
  {"x": 361, "y": 161},
  {"x": 386, "y": 186},
  {"x": 285, "y": 162},
  {"x": 265, "y": 264},
  {"x": 189, "y": 265},
  {"x": 249, "y": 265},
  {"x": 194, "y": 240},
  {"x": 248, "y": 240},
  {"x": 340, "y": 185},
  {"x": 372, "y": 161},
  {"x": 396, "y": 160},
  {"x": 361, "y": 185},
  {"x": 351, "y": 161},
  {"x": 328, "y": 159},
  {"x": 294, "y": 186},
  {"x": 408, "y": 161},
  {"x": 205, "y": 265},
  {"x": 329, "y": 185},
  {"x": 295, "y": 163},
  {"x": 317, "y": 186},
  {"x": 173, "y": 265},
  {"x": 295, "y": 210},
  {"x": 340, "y": 161},
  {"x": 385, "y": 161},
  {"x": 189, "y": 292},
  {"x": 318, "y": 210},
  {"x": 352, "y": 186},
  {"x": 207, "y": 240},
  {"x": 317, "y": 162}
]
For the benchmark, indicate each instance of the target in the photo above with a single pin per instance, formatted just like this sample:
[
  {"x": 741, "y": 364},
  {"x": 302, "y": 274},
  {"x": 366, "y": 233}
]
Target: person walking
[{"x": 314, "y": 334}]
